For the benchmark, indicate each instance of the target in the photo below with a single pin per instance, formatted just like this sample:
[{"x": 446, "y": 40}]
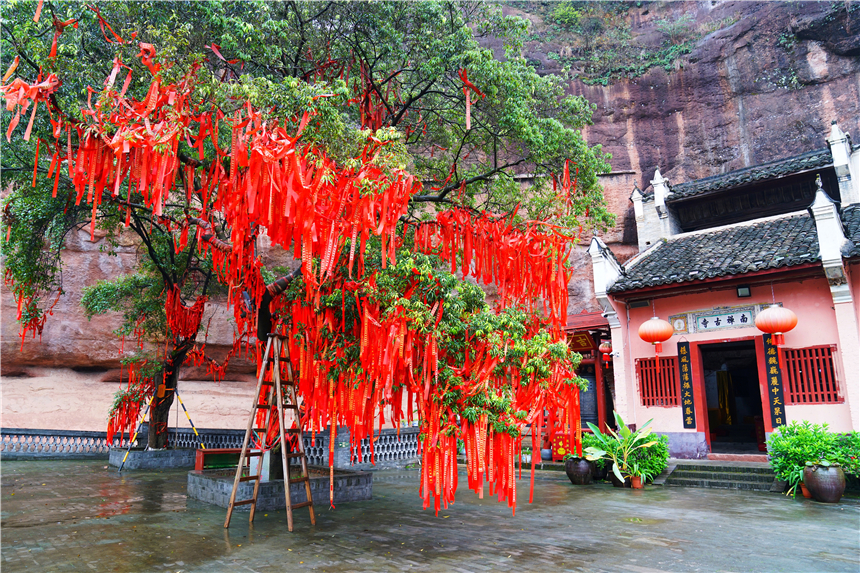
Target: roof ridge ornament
[{"x": 822, "y": 199}]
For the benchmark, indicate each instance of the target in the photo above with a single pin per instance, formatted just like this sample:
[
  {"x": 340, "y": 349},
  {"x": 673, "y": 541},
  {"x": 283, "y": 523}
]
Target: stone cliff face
[
  {"x": 69, "y": 340},
  {"x": 764, "y": 87},
  {"x": 67, "y": 379}
]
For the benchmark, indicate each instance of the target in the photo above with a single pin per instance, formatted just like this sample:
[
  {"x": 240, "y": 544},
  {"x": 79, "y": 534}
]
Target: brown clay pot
[
  {"x": 578, "y": 471},
  {"x": 636, "y": 482},
  {"x": 805, "y": 491},
  {"x": 826, "y": 484},
  {"x": 599, "y": 473},
  {"x": 615, "y": 481}
]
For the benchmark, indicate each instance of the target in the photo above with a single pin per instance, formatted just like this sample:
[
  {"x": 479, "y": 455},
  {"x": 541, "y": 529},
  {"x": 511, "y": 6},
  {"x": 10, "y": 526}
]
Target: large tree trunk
[{"x": 160, "y": 411}]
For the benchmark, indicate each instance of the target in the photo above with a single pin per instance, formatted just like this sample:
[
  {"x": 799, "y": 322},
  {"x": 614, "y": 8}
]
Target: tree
[{"x": 316, "y": 124}]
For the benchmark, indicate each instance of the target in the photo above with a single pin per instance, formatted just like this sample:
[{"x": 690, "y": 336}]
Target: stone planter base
[
  {"x": 140, "y": 459},
  {"x": 215, "y": 486}
]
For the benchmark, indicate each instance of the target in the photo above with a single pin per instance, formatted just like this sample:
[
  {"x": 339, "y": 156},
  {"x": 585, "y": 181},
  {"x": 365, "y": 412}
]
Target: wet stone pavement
[{"x": 82, "y": 516}]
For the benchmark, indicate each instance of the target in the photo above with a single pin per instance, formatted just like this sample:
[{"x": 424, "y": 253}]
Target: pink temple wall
[{"x": 810, "y": 299}]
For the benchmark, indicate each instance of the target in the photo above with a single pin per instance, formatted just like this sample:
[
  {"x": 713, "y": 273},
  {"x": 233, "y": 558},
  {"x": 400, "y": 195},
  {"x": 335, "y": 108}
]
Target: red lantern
[
  {"x": 776, "y": 320},
  {"x": 656, "y": 331},
  {"x": 606, "y": 349}
]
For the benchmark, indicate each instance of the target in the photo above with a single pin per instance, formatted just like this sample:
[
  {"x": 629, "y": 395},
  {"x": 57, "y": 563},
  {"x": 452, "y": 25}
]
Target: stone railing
[
  {"x": 211, "y": 438},
  {"x": 391, "y": 451},
  {"x": 18, "y": 443}
]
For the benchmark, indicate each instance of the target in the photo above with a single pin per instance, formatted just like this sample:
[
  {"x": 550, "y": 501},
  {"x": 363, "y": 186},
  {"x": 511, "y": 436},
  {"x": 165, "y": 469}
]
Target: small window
[
  {"x": 810, "y": 377},
  {"x": 658, "y": 381}
]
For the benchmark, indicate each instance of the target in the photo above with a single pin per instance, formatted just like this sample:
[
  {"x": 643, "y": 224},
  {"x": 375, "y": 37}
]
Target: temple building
[{"x": 713, "y": 254}]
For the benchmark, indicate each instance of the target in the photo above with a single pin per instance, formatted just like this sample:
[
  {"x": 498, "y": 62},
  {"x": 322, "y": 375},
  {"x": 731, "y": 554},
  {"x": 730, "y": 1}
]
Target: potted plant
[
  {"x": 599, "y": 468},
  {"x": 792, "y": 446},
  {"x": 848, "y": 454},
  {"x": 652, "y": 460},
  {"x": 619, "y": 448},
  {"x": 825, "y": 480},
  {"x": 526, "y": 455},
  {"x": 579, "y": 470},
  {"x": 639, "y": 476}
]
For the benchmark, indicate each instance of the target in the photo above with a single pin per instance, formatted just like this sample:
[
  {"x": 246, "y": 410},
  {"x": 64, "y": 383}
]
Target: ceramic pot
[
  {"x": 578, "y": 471},
  {"x": 599, "y": 473},
  {"x": 636, "y": 482},
  {"x": 615, "y": 481},
  {"x": 805, "y": 491},
  {"x": 826, "y": 484},
  {"x": 546, "y": 454},
  {"x": 527, "y": 458}
]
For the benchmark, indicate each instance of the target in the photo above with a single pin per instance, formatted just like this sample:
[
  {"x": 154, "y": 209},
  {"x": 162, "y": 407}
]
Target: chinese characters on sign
[
  {"x": 717, "y": 318},
  {"x": 724, "y": 320},
  {"x": 687, "y": 406},
  {"x": 581, "y": 341},
  {"x": 774, "y": 382}
]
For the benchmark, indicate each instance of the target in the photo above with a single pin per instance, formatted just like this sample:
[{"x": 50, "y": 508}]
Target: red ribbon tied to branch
[
  {"x": 146, "y": 55},
  {"x": 59, "y": 26},
  {"x": 467, "y": 85}
]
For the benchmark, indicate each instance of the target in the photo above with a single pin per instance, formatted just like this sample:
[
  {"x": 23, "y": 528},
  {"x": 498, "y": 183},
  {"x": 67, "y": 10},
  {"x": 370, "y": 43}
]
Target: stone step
[
  {"x": 762, "y": 470},
  {"x": 723, "y": 476},
  {"x": 761, "y": 458},
  {"x": 719, "y": 484}
]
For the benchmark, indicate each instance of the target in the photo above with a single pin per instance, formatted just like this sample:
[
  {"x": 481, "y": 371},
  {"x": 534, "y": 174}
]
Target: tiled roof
[
  {"x": 749, "y": 175},
  {"x": 586, "y": 321},
  {"x": 782, "y": 241},
  {"x": 851, "y": 223}
]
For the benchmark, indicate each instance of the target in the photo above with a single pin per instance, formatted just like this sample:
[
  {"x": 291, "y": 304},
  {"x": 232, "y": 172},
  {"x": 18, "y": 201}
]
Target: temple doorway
[{"x": 733, "y": 396}]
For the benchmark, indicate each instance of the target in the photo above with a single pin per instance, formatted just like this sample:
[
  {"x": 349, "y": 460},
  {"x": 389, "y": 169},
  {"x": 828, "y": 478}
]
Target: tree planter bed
[
  {"x": 141, "y": 459},
  {"x": 214, "y": 486}
]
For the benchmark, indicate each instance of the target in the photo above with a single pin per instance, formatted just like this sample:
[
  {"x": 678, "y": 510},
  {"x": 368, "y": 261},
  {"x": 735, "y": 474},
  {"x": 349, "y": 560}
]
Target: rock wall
[
  {"x": 740, "y": 98},
  {"x": 67, "y": 379},
  {"x": 763, "y": 88}
]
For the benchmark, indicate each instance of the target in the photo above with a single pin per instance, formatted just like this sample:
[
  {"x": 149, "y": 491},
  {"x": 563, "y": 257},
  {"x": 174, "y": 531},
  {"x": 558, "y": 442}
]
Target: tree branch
[{"x": 451, "y": 186}]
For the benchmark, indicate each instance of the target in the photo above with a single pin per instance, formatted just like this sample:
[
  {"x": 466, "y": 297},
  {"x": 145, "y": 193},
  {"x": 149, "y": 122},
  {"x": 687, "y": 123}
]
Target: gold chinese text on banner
[
  {"x": 687, "y": 405},
  {"x": 774, "y": 382}
]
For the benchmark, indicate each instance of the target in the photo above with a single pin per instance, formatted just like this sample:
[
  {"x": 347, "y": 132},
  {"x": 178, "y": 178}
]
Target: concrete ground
[{"x": 83, "y": 516}]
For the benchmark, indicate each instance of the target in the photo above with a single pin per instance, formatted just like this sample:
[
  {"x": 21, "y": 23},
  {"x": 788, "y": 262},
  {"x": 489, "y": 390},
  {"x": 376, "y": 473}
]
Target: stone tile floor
[{"x": 82, "y": 516}]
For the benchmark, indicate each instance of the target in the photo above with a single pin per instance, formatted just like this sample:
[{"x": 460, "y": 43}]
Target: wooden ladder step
[{"x": 275, "y": 351}]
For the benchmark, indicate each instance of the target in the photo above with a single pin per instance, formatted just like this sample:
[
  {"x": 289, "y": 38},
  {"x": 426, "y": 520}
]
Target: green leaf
[{"x": 617, "y": 472}]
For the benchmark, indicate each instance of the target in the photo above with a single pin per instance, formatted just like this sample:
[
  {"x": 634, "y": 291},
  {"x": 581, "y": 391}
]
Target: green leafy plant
[
  {"x": 620, "y": 446},
  {"x": 591, "y": 441},
  {"x": 652, "y": 460},
  {"x": 848, "y": 452},
  {"x": 677, "y": 29},
  {"x": 792, "y": 446},
  {"x": 588, "y": 441}
]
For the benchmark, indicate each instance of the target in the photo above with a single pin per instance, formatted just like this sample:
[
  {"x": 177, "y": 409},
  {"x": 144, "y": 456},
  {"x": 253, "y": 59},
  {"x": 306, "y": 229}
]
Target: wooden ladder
[{"x": 276, "y": 351}]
